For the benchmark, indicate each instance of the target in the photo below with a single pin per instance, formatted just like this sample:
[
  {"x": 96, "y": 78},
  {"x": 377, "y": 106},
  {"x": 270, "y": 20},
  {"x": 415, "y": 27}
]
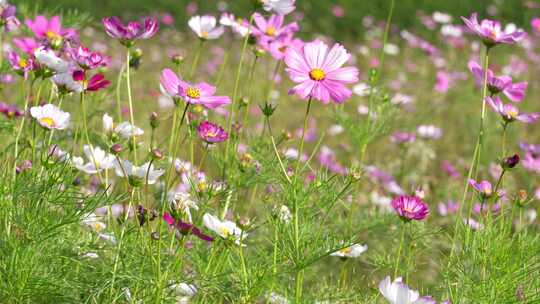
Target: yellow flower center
[
  {"x": 198, "y": 109},
  {"x": 193, "y": 93},
  {"x": 47, "y": 121},
  {"x": 53, "y": 36},
  {"x": 270, "y": 31},
  {"x": 317, "y": 74},
  {"x": 23, "y": 63},
  {"x": 346, "y": 251},
  {"x": 204, "y": 34},
  {"x": 225, "y": 232},
  {"x": 512, "y": 113}
]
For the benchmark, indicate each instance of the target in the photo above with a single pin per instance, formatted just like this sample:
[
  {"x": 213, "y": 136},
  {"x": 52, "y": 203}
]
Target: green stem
[
  {"x": 398, "y": 256},
  {"x": 195, "y": 63},
  {"x": 130, "y": 100}
]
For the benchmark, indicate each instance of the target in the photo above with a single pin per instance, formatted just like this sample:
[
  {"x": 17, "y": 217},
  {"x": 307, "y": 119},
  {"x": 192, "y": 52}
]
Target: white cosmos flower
[
  {"x": 397, "y": 292},
  {"x": 184, "y": 289},
  {"x": 182, "y": 201},
  {"x": 205, "y": 27},
  {"x": 127, "y": 130},
  {"x": 225, "y": 229},
  {"x": 93, "y": 223},
  {"x": 441, "y": 17},
  {"x": 276, "y": 298},
  {"x": 50, "y": 116},
  {"x": 65, "y": 79},
  {"x": 429, "y": 132},
  {"x": 281, "y": 7},
  {"x": 353, "y": 251},
  {"x": 108, "y": 123},
  {"x": 49, "y": 59},
  {"x": 98, "y": 160},
  {"x": 284, "y": 214},
  {"x": 108, "y": 237},
  {"x": 138, "y": 174},
  {"x": 362, "y": 89},
  {"x": 238, "y": 25}
]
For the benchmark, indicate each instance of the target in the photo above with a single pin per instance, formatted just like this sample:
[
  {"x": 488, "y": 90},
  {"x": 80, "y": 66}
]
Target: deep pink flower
[
  {"x": 95, "y": 83},
  {"x": 497, "y": 84},
  {"x": 21, "y": 65},
  {"x": 491, "y": 31},
  {"x": 50, "y": 30},
  {"x": 8, "y": 17},
  {"x": 186, "y": 228},
  {"x": 87, "y": 59},
  {"x": 127, "y": 34},
  {"x": 10, "y": 110},
  {"x": 410, "y": 207},
  {"x": 211, "y": 133},
  {"x": 198, "y": 94},
  {"x": 318, "y": 72},
  {"x": 268, "y": 31},
  {"x": 535, "y": 24},
  {"x": 510, "y": 113}
]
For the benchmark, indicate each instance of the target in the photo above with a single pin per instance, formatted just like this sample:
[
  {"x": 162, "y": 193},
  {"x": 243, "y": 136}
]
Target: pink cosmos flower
[
  {"x": 535, "y": 24},
  {"x": 491, "y": 31},
  {"x": 318, "y": 72},
  {"x": 402, "y": 138},
  {"x": 8, "y": 18},
  {"x": 497, "y": 84},
  {"x": 484, "y": 188},
  {"x": 19, "y": 64},
  {"x": 127, "y": 34},
  {"x": 10, "y": 110},
  {"x": 211, "y": 133},
  {"x": 268, "y": 31},
  {"x": 26, "y": 44},
  {"x": 410, "y": 208},
  {"x": 50, "y": 30},
  {"x": 510, "y": 113},
  {"x": 279, "y": 47},
  {"x": 201, "y": 93},
  {"x": 86, "y": 59}
]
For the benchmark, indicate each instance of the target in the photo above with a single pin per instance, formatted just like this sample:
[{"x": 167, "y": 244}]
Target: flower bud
[
  {"x": 510, "y": 162},
  {"x": 156, "y": 154},
  {"x": 116, "y": 149},
  {"x": 154, "y": 120},
  {"x": 259, "y": 52},
  {"x": 177, "y": 59}
]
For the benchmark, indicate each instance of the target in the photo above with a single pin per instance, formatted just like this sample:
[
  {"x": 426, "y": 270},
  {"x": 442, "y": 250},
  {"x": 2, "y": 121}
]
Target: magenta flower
[
  {"x": 535, "y": 24},
  {"x": 19, "y": 64},
  {"x": 510, "y": 113},
  {"x": 127, "y": 34},
  {"x": 198, "y": 94},
  {"x": 50, "y": 30},
  {"x": 403, "y": 138},
  {"x": 26, "y": 44},
  {"x": 10, "y": 110},
  {"x": 491, "y": 31},
  {"x": 95, "y": 83},
  {"x": 268, "y": 31},
  {"x": 484, "y": 188},
  {"x": 410, "y": 207},
  {"x": 186, "y": 228},
  {"x": 211, "y": 133},
  {"x": 318, "y": 72},
  {"x": 87, "y": 59},
  {"x": 8, "y": 18},
  {"x": 497, "y": 84}
]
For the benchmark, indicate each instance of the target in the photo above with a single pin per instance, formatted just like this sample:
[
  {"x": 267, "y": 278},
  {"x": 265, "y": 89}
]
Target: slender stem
[
  {"x": 196, "y": 59},
  {"x": 244, "y": 271},
  {"x": 250, "y": 92},
  {"x": 398, "y": 256},
  {"x": 130, "y": 100},
  {"x": 302, "y": 140},
  {"x": 118, "y": 87}
]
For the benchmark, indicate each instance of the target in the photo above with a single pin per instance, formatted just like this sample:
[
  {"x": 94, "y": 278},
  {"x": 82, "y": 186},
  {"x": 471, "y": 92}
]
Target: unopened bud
[
  {"x": 116, "y": 149},
  {"x": 510, "y": 162},
  {"x": 137, "y": 53},
  {"x": 259, "y": 52},
  {"x": 177, "y": 59},
  {"x": 154, "y": 120},
  {"x": 156, "y": 154}
]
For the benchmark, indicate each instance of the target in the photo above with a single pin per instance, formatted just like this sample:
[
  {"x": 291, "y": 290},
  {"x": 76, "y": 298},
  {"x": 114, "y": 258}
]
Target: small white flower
[
  {"x": 276, "y": 298},
  {"x": 138, "y": 174},
  {"x": 362, "y": 89},
  {"x": 49, "y": 59},
  {"x": 127, "y": 130},
  {"x": 65, "y": 79},
  {"x": 391, "y": 49},
  {"x": 284, "y": 214},
  {"x": 108, "y": 237},
  {"x": 93, "y": 222},
  {"x": 281, "y": 7},
  {"x": 205, "y": 27},
  {"x": 451, "y": 30},
  {"x": 441, "y": 17},
  {"x": 98, "y": 160},
  {"x": 184, "y": 289},
  {"x": 50, "y": 116},
  {"x": 402, "y": 99},
  {"x": 239, "y": 26},
  {"x": 353, "y": 251},
  {"x": 225, "y": 229},
  {"x": 90, "y": 255},
  {"x": 335, "y": 130},
  {"x": 108, "y": 123},
  {"x": 397, "y": 292},
  {"x": 429, "y": 132}
]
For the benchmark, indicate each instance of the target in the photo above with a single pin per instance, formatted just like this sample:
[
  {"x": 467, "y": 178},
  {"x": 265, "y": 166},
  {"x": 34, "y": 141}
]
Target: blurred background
[{"x": 317, "y": 15}]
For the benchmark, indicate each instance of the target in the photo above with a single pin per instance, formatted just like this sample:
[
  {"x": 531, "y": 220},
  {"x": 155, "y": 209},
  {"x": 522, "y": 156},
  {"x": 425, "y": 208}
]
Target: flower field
[{"x": 239, "y": 158}]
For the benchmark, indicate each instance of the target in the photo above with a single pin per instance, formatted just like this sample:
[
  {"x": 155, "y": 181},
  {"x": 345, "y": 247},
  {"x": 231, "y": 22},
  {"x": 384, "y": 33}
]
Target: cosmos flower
[
  {"x": 8, "y": 17},
  {"x": 319, "y": 72},
  {"x": 397, "y": 292},
  {"x": 211, "y": 133},
  {"x": 281, "y": 7},
  {"x": 95, "y": 83},
  {"x": 510, "y": 113},
  {"x": 127, "y": 34},
  {"x": 499, "y": 84},
  {"x": 126, "y": 130},
  {"x": 484, "y": 188},
  {"x": 10, "y": 110},
  {"x": 19, "y": 64},
  {"x": 98, "y": 160},
  {"x": 86, "y": 59},
  {"x": 138, "y": 175},
  {"x": 50, "y": 30},
  {"x": 410, "y": 208},
  {"x": 201, "y": 93},
  {"x": 535, "y": 24},
  {"x": 268, "y": 31},
  {"x": 26, "y": 44},
  {"x": 205, "y": 27},
  {"x": 238, "y": 25},
  {"x": 491, "y": 31},
  {"x": 226, "y": 229},
  {"x": 279, "y": 47},
  {"x": 186, "y": 228},
  {"x": 182, "y": 201},
  {"x": 429, "y": 132},
  {"x": 50, "y": 117},
  {"x": 353, "y": 251},
  {"x": 402, "y": 138}
]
